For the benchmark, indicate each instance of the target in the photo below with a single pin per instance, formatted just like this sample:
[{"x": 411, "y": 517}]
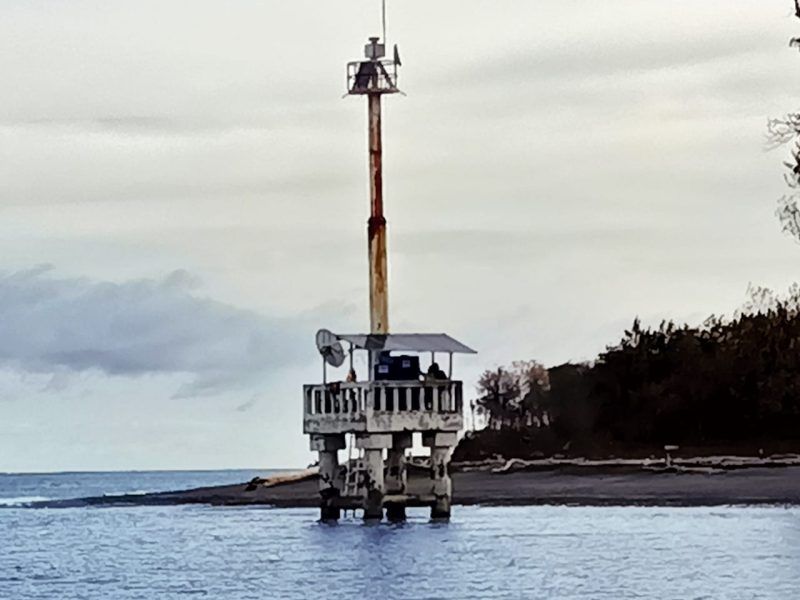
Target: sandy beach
[{"x": 577, "y": 486}]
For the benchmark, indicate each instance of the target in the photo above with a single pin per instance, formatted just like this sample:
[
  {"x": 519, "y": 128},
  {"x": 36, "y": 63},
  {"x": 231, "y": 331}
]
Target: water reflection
[{"x": 520, "y": 552}]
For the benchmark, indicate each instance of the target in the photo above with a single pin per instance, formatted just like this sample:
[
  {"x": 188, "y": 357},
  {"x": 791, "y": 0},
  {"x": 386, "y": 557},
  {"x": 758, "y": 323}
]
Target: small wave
[
  {"x": 22, "y": 500},
  {"x": 134, "y": 493}
]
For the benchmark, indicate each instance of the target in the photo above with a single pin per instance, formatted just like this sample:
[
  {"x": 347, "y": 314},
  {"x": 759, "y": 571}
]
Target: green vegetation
[{"x": 730, "y": 384}]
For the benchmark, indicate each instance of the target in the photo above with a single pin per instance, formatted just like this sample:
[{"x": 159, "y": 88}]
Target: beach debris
[
  {"x": 257, "y": 482},
  {"x": 669, "y": 449},
  {"x": 669, "y": 464}
]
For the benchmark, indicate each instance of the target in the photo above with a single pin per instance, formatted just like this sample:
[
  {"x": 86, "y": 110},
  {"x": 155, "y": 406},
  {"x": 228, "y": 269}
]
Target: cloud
[
  {"x": 248, "y": 405},
  {"x": 55, "y": 326},
  {"x": 58, "y": 382}
]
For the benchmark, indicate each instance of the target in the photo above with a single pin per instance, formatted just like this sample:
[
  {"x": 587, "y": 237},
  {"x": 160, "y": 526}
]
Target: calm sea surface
[{"x": 521, "y": 552}]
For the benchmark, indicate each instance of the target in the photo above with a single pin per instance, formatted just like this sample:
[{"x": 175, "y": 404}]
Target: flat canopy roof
[{"x": 407, "y": 342}]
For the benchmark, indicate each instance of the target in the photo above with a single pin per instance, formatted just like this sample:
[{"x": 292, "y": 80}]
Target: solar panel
[{"x": 407, "y": 342}]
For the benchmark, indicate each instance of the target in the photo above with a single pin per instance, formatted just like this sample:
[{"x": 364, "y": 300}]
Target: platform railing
[
  {"x": 335, "y": 399},
  {"x": 386, "y": 397},
  {"x": 368, "y": 77}
]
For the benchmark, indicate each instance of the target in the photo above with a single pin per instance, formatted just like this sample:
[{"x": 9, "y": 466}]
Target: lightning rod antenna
[{"x": 383, "y": 19}]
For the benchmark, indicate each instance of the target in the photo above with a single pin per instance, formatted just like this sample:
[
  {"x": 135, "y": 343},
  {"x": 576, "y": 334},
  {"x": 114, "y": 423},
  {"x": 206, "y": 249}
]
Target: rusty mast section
[{"x": 373, "y": 78}]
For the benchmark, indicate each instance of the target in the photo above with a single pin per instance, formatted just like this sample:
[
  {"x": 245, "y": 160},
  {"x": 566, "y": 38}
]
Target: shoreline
[{"x": 577, "y": 485}]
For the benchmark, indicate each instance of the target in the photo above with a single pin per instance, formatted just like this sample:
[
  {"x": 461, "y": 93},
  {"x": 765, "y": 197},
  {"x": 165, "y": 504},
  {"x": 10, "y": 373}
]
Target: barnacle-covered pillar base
[
  {"x": 441, "y": 444},
  {"x": 373, "y": 486},
  {"x": 330, "y": 478},
  {"x": 396, "y": 477}
]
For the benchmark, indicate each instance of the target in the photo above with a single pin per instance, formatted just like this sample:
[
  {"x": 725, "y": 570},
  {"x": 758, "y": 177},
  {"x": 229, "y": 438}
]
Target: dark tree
[{"x": 732, "y": 383}]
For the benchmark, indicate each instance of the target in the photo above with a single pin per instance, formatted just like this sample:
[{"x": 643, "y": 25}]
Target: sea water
[{"x": 553, "y": 552}]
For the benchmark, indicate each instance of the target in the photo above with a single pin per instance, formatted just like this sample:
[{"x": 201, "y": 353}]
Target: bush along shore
[{"x": 727, "y": 387}]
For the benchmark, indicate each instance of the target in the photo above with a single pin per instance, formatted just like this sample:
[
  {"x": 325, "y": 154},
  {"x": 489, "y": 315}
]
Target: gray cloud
[
  {"x": 185, "y": 123},
  {"x": 591, "y": 58},
  {"x": 148, "y": 326},
  {"x": 248, "y": 405}
]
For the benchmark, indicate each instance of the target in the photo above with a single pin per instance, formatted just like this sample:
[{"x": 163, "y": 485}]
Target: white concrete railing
[{"x": 387, "y": 397}]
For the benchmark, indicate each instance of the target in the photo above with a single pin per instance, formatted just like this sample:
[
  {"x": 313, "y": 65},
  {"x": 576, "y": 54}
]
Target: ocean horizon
[{"x": 26, "y": 488}]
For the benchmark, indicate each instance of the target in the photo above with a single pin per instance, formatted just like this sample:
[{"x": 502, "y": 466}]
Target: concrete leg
[
  {"x": 330, "y": 479},
  {"x": 373, "y": 445},
  {"x": 396, "y": 478},
  {"x": 374, "y": 486},
  {"x": 442, "y": 486},
  {"x": 328, "y": 490},
  {"x": 440, "y": 444}
]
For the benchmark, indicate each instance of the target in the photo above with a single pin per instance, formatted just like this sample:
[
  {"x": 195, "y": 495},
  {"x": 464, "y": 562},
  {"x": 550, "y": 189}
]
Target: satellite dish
[{"x": 330, "y": 348}]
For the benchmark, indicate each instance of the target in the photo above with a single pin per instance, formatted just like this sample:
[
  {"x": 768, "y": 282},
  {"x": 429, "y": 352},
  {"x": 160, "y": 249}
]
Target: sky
[{"x": 184, "y": 195}]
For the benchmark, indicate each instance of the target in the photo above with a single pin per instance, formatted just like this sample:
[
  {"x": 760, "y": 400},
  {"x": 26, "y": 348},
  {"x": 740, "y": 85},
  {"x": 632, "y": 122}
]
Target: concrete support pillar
[
  {"x": 441, "y": 485},
  {"x": 396, "y": 477},
  {"x": 330, "y": 477},
  {"x": 373, "y": 485},
  {"x": 440, "y": 482}
]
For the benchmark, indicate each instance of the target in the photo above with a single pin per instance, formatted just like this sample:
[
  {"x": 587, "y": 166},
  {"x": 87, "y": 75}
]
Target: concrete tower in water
[{"x": 380, "y": 413}]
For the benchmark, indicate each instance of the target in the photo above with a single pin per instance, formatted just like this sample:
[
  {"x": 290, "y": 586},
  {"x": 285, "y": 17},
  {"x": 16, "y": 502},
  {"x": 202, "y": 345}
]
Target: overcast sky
[{"x": 183, "y": 200}]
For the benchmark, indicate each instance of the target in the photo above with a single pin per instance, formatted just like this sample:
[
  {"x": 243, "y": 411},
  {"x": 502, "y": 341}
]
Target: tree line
[{"x": 726, "y": 382}]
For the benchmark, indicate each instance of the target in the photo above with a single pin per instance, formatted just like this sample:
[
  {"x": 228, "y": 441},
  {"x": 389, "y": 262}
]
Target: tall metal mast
[
  {"x": 373, "y": 78},
  {"x": 381, "y": 412},
  {"x": 376, "y": 226}
]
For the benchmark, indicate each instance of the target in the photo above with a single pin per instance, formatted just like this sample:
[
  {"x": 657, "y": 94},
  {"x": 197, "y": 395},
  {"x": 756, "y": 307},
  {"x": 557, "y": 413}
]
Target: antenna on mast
[
  {"x": 383, "y": 19},
  {"x": 396, "y": 54}
]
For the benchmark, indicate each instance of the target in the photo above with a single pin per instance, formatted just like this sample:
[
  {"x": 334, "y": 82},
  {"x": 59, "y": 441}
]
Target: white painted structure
[{"x": 382, "y": 415}]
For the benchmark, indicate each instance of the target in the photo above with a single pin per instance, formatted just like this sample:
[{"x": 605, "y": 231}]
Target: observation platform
[{"x": 379, "y": 416}]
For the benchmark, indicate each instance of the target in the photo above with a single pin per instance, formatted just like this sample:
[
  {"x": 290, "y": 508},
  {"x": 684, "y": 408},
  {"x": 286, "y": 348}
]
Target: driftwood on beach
[{"x": 708, "y": 464}]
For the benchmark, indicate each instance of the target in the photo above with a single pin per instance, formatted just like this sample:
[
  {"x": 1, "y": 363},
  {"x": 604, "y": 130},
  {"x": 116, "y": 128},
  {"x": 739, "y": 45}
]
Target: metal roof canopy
[{"x": 407, "y": 342}]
